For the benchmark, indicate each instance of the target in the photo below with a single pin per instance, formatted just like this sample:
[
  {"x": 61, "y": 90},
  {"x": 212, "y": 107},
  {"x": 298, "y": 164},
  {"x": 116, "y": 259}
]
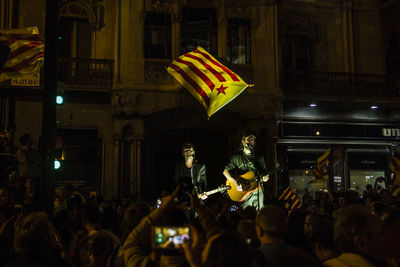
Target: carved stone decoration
[
  {"x": 84, "y": 9},
  {"x": 298, "y": 24},
  {"x": 128, "y": 132},
  {"x": 158, "y": 5},
  {"x": 155, "y": 73}
]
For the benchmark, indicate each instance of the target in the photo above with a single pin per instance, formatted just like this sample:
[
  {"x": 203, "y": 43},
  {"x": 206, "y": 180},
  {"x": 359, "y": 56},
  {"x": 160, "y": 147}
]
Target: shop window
[
  {"x": 301, "y": 164},
  {"x": 199, "y": 28},
  {"x": 239, "y": 41},
  {"x": 80, "y": 155},
  {"x": 365, "y": 168},
  {"x": 157, "y": 35}
]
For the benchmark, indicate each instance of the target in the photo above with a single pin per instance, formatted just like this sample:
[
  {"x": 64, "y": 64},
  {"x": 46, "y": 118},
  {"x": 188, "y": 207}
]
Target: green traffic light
[
  {"x": 57, "y": 164},
  {"x": 59, "y": 100}
]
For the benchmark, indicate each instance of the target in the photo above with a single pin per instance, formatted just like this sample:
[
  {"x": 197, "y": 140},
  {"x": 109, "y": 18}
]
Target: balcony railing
[
  {"x": 86, "y": 73},
  {"x": 336, "y": 84}
]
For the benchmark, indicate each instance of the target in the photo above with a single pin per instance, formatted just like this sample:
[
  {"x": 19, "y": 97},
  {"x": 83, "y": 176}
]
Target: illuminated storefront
[{"x": 360, "y": 153}]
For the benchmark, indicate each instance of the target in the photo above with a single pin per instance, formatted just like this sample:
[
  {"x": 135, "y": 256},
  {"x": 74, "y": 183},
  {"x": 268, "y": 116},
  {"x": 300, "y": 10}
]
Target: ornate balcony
[
  {"x": 337, "y": 84},
  {"x": 95, "y": 74}
]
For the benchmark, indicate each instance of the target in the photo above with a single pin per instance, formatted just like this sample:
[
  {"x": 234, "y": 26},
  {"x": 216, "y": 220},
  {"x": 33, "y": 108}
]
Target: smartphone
[{"x": 170, "y": 238}]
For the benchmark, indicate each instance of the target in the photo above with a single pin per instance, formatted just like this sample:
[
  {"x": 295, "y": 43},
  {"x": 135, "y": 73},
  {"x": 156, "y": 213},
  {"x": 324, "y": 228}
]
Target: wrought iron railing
[
  {"x": 87, "y": 73},
  {"x": 336, "y": 83}
]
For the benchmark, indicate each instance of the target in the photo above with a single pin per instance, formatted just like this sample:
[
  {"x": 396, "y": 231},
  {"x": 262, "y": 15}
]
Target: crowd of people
[{"x": 190, "y": 229}]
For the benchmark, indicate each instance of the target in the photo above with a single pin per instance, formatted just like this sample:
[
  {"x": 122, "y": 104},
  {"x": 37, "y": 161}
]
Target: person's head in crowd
[
  {"x": 26, "y": 141},
  {"x": 271, "y": 224},
  {"x": 309, "y": 222},
  {"x": 391, "y": 232},
  {"x": 226, "y": 249},
  {"x": 378, "y": 208},
  {"x": 229, "y": 219},
  {"x": 90, "y": 216},
  {"x": 247, "y": 230},
  {"x": 96, "y": 250},
  {"x": 249, "y": 213},
  {"x": 307, "y": 200},
  {"x": 295, "y": 228},
  {"x": 368, "y": 188},
  {"x": 10, "y": 132},
  {"x": 356, "y": 230},
  {"x": 293, "y": 258},
  {"x": 370, "y": 199},
  {"x": 322, "y": 238},
  {"x": 36, "y": 238},
  {"x": 174, "y": 217},
  {"x": 318, "y": 196},
  {"x": 133, "y": 215}
]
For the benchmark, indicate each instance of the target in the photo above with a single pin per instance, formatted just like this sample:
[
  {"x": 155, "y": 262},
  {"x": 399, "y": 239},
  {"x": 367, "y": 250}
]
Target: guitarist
[
  {"x": 247, "y": 160},
  {"x": 190, "y": 173}
]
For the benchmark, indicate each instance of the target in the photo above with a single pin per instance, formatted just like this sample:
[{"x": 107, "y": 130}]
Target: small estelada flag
[
  {"x": 291, "y": 196},
  {"x": 321, "y": 169},
  {"x": 22, "y": 52},
  {"x": 394, "y": 166},
  {"x": 210, "y": 82}
]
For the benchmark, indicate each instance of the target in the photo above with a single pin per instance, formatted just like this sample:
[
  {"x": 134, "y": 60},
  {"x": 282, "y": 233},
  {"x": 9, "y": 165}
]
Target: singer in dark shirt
[{"x": 247, "y": 160}]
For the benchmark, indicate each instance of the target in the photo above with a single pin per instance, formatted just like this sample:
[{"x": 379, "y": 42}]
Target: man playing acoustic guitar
[{"x": 245, "y": 186}]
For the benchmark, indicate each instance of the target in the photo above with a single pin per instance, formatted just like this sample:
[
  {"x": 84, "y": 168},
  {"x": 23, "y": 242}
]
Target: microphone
[{"x": 248, "y": 146}]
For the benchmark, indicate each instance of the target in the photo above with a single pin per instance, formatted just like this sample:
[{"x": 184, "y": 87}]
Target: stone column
[
  {"x": 132, "y": 59},
  {"x": 176, "y": 18},
  {"x": 348, "y": 39},
  {"x": 112, "y": 186},
  {"x": 222, "y": 32}
]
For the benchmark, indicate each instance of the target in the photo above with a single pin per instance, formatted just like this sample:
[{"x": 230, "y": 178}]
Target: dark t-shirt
[
  {"x": 195, "y": 176},
  {"x": 247, "y": 162}
]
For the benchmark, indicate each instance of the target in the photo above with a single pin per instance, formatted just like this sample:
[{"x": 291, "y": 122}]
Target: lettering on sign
[
  {"x": 337, "y": 179},
  {"x": 391, "y": 132},
  {"x": 27, "y": 80}
]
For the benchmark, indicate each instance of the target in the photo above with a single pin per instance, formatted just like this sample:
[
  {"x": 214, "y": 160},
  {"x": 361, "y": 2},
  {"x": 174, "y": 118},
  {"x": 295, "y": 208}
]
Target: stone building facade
[{"x": 112, "y": 60}]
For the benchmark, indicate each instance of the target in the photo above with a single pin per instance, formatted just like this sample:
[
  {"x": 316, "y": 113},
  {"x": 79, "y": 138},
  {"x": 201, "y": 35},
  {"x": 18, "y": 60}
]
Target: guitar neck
[{"x": 212, "y": 191}]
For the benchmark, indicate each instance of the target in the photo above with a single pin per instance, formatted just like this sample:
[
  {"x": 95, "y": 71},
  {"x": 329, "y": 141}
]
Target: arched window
[
  {"x": 77, "y": 22},
  {"x": 297, "y": 47}
]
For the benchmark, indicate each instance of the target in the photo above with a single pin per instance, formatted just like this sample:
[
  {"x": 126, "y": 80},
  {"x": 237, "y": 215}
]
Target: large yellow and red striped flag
[
  {"x": 210, "y": 82},
  {"x": 23, "y": 51},
  {"x": 290, "y": 194}
]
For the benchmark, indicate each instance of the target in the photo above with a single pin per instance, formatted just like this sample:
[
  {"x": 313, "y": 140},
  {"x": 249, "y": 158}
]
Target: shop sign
[
  {"x": 391, "y": 132},
  {"x": 337, "y": 179}
]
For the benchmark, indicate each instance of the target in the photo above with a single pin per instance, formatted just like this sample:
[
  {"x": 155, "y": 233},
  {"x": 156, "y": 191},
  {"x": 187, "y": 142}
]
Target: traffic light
[
  {"x": 59, "y": 99},
  {"x": 57, "y": 164},
  {"x": 60, "y": 93}
]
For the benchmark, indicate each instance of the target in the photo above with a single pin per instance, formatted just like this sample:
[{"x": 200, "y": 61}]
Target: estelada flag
[
  {"x": 394, "y": 165},
  {"x": 210, "y": 82},
  {"x": 321, "y": 168},
  {"x": 22, "y": 52},
  {"x": 290, "y": 195}
]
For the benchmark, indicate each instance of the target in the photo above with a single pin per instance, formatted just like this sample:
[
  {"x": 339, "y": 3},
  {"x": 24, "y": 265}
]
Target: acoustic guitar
[{"x": 249, "y": 184}]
